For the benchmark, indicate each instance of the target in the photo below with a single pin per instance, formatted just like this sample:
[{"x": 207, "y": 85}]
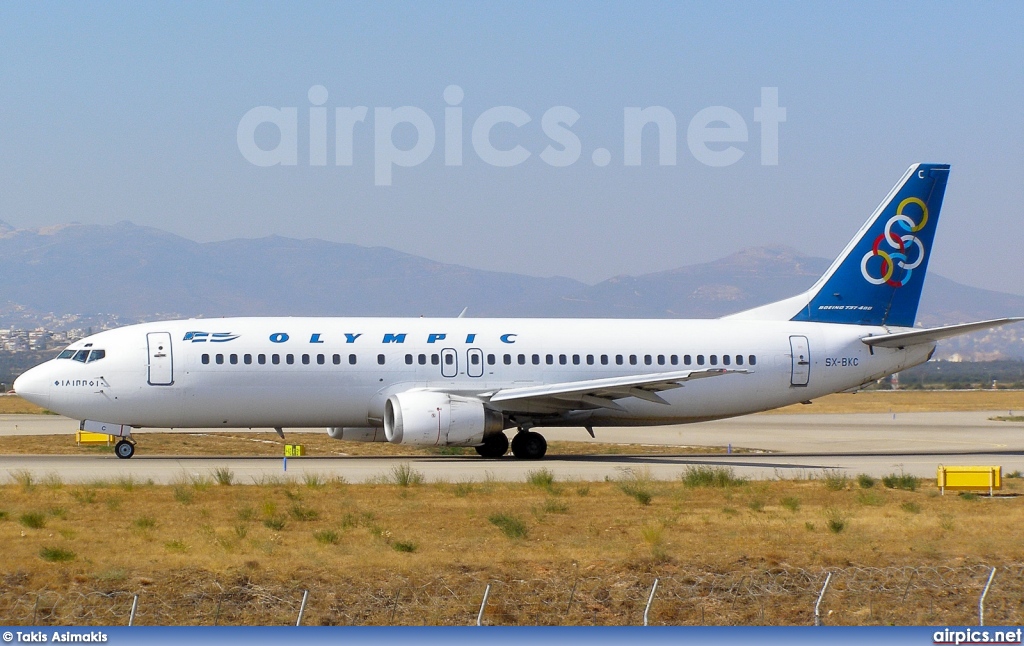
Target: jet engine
[
  {"x": 427, "y": 418},
  {"x": 357, "y": 434}
]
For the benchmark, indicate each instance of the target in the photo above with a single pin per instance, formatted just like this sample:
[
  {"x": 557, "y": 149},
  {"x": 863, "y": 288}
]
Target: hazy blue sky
[{"x": 131, "y": 111}]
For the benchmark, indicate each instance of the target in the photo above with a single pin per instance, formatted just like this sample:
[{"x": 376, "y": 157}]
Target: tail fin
[{"x": 877, "y": 279}]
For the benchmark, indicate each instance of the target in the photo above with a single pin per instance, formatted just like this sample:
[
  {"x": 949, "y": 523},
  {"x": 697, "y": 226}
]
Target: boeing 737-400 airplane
[{"x": 463, "y": 381}]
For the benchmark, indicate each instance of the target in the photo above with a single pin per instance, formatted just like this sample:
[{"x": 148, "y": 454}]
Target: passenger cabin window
[
  {"x": 714, "y": 359},
  {"x": 604, "y": 359},
  {"x": 739, "y": 359},
  {"x": 261, "y": 359},
  {"x": 686, "y": 359},
  {"x": 725, "y": 360},
  {"x": 233, "y": 359},
  {"x": 305, "y": 359},
  {"x": 275, "y": 359},
  {"x": 490, "y": 360},
  {"x": 752, "y": 360},
  {"x": 549, "y": 359},
  {"x": 422, "y": 359},
  {"x": 352, "y": 359},
  {"x": 675, "y": 359},
  {"x": 336, "y": 359},
  {"x": 220, "y": 359},
  {"x": 408, "y": 359},
  {"x": 247, "y": 359},
  {"x": 449, "y": 359},
  {"x": 648, "y": 360},
  {"x": 380, "y": 359},
  {"x": 435, "y": 360},
  {"x": 536, "y": 359},
  {"x": 562, "y": 360},
  {"x": 575, "y": 359},
  {"x": 205, "y": 359},
  {"x": 632, "y": 359},
  {"x": 321, "y": 359},
  {"x": 474, "y": 359},
  {"x": 618, "y": 359},
  {"x": 590, "y": 359},
  {"x": 289, "y": 359},
  {"x": 507, "y": 359},
  {"x": 700, "y": 359},
  {"x": 661, "y": 359}
]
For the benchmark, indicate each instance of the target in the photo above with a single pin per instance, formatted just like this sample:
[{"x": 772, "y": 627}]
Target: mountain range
[{"x": 121, "y": 273}]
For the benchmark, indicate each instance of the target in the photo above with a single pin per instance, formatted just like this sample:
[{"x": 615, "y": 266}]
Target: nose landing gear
[{"x": 124, "y": 449}]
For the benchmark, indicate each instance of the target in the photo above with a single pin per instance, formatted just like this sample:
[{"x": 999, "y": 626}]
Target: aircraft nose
[{"x": 34, "y": 385}]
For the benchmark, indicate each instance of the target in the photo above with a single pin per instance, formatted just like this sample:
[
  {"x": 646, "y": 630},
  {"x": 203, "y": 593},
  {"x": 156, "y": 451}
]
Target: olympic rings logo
[{"x": 901, "y": 243}]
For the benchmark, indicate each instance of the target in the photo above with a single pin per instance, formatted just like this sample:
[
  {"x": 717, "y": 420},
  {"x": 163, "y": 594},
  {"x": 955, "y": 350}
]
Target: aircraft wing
[
  {"x": 914, "y": 337},
  {"x": 599, "y": 393}
]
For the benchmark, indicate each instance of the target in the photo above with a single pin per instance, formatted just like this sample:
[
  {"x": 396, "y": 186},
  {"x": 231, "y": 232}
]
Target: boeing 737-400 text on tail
[{"x": 464, "y": 381}]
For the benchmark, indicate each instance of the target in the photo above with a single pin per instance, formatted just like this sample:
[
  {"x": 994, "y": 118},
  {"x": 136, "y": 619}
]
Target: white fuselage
[{"x": 210, "y": 372}]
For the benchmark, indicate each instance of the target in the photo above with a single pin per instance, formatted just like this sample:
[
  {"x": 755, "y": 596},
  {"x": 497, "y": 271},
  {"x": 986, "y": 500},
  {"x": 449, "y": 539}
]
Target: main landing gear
[
  {"x": 529, "y": 445},
  {"x": 494, "y": 446},
  {"x": 124, "y": 449},
  {"x": 526, "y": 445}
]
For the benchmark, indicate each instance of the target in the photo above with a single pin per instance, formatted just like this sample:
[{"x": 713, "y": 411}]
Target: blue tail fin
[{"x": 878, "y": 278}]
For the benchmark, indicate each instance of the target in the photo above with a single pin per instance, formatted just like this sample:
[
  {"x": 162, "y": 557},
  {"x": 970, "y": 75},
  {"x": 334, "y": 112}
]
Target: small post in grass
[
  {"x": 135, "y": 607},
  {"x": 302, "y": 607},
  {"x": 483, "y": 605},
  {"x": 650, "y": 600},
  {"x": 817, "y": 606},
  {"x": 984, "y": 593}
]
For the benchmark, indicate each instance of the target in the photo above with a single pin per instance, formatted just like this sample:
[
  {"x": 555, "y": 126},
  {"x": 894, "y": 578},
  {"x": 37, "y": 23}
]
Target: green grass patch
[
  {"x": 865, "y": 481},
  {"x": 835, "y": 480},
  {"x": 708, "y": 476},
  {"x": 541, "y": 478},
  {"x": 56, "y": 554},
  {"x": 327, "y": 537},
  {"x": 404, "y": 546},
  {"x": 275, "y": 523},
  {"x": 224, "y": 476},
  {"x": 304, "y": 514},
  {"x": 791, "y": 503},
  {"x": 903, "y": 481},
  {"x": 834, "y": 520},
  {"x": 33, "y": 520},
  {"x": 911, "y": 507},
  {"x": 404, "y": 475},
  {"x": 511, "y": 526}
]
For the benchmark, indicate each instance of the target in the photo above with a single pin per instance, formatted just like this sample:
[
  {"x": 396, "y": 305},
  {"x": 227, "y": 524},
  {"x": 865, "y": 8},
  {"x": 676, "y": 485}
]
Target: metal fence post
[
  {"x": 821, "y": 595},
  {"x": 302, "y": 607},
  {"x": 483, "y": 604},
  {"x": 135, "y": 606},
  {"x": 650, "y": 600},
  {"x": 981, "y": 602}
]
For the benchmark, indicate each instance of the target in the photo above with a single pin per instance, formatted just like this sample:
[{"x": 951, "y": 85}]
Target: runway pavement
[{"x": 802, "y": 445}]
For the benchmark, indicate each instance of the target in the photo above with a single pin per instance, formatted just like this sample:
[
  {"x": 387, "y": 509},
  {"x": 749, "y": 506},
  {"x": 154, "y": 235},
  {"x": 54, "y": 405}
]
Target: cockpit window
[{"x": 85, "y": 356}]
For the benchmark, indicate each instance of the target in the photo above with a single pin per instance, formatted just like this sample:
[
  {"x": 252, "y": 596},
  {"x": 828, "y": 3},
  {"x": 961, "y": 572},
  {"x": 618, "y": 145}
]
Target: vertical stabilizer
[{"x": 877, "y": 280}]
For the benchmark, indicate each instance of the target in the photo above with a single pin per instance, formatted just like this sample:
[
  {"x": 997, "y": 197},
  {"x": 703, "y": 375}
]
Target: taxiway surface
[{"x": 799, "y": 446}]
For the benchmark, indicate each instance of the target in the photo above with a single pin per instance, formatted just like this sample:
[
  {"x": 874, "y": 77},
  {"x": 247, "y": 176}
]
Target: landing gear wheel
[
  {"x": 494, "y": 446},
  {"x": 124, "y": 449},
  {"x": 529, "y": 446}
]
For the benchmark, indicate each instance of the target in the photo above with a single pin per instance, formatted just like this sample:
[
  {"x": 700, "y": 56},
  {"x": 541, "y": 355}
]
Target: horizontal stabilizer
[{"x": 915, "y": 337}]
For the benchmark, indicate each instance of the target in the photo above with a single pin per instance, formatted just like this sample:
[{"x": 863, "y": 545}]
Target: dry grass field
[
  {"x": 910, "y": 401},
  {"x": 205, "y": 550}
]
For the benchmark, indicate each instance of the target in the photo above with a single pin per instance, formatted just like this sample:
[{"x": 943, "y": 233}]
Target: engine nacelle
[
  {"x": 357, "y": 433},
  {"x": 438, "y": 419}
]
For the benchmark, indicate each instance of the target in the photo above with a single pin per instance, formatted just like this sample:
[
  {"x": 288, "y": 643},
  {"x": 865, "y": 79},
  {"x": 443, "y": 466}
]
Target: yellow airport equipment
[
  {"x": 294, "y": 450},
  {"x": 970, "y": 479},
  {"x": 85, "y": 437}
]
